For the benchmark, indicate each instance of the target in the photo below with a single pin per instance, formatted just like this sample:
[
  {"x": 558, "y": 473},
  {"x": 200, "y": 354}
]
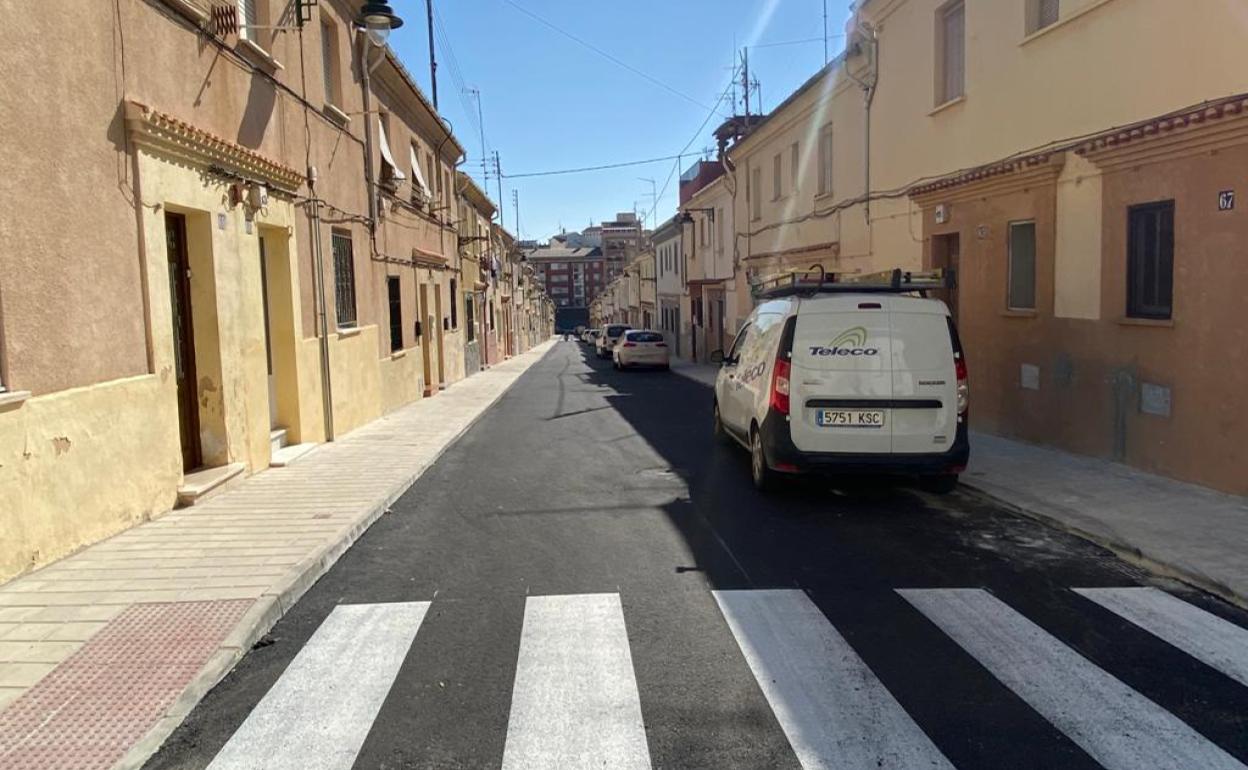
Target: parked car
[
  {"x": 590, "y": 337},
  {"x": 847, "y": 379},
  {"x": 609, "y": 336},
  {"x": 641, "y": 347}
]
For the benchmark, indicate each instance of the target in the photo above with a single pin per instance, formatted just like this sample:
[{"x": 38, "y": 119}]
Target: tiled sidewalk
[
  {"x": 1190, "y": 532},
  {"x": 103, "y": 653}
]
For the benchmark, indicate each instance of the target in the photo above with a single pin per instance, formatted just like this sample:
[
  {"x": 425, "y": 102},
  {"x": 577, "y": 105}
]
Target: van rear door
[
  {"x": 924, "y": 377},
  {"x": 841, "y": 381}
]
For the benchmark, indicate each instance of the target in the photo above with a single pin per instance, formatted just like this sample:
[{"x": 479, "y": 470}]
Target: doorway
[
  {"x": 267, "y": 300},
  {"x": 437, "y": 321},
  {"x": 945, "y": 255},
  {"x": 183, "y": 339},
  {"x": 427, "y": 331}
]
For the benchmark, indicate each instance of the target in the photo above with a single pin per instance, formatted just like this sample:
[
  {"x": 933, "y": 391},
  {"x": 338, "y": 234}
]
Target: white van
[{"x": 847, "y": 378}]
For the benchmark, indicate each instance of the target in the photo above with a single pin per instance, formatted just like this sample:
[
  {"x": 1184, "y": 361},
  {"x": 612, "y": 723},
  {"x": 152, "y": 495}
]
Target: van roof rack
[{"x": 817, "y": 281}]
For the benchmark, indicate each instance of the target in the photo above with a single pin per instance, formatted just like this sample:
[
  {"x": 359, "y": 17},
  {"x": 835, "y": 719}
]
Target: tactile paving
[{"x": 88, "y": 711}]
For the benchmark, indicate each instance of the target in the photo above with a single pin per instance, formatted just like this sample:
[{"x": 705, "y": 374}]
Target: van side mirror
[{"x": 717, "y": 357}]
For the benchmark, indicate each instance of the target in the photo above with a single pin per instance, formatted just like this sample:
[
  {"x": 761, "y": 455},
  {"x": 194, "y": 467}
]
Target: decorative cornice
[{"x": 160, "y": 131}]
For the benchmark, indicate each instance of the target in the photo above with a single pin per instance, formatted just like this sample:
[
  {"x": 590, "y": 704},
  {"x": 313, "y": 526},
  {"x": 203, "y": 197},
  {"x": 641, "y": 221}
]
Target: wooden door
[{"x": 183, "y": 339}]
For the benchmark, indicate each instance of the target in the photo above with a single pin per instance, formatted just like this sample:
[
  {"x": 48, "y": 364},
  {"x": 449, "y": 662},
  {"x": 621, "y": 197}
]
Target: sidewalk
[
  {"x": 104, "y": 653},
  {"x": 1189, "y": 532}
]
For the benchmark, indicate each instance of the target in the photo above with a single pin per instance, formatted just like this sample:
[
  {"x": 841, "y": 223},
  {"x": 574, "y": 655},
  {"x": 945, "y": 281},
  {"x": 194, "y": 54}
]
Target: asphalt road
[{"x": 586, "y": 580}]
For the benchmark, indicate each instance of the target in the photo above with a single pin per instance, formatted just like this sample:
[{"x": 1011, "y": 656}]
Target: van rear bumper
[{"x": 781, "y": 452}]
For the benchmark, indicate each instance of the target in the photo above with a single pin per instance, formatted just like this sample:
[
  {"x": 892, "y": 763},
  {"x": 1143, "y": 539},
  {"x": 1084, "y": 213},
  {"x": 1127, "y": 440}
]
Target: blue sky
[{"x": 550, "y": 103}]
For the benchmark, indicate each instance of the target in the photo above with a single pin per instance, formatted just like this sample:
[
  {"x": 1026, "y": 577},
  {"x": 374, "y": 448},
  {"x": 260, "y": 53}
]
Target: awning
[
  {"x": 421, "y": 187},
  {"x": 388, "y": 157}
]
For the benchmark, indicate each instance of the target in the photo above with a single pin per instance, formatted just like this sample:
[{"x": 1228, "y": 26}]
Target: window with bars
[
  {"x": 394, "y": 294},
  {"x": 469, "y": 316},
  {"x": 1021, "y": 294},
  {"x": 795, "y": 162},
  {"x": 825, "y": 160},
  {"x": 756, "y": 193},
  {"x": 951, "y": 52},
  {"x": 1150, "y": 260},
  {"x": 454, "y": 305},
  {"x": 1041, "y": 14},
  {"x": 777, "y": 177},
  {"x": 344, "y": 279}
]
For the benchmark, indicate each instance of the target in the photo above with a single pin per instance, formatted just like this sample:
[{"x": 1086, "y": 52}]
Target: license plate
[{"x": 849, "y": 418}]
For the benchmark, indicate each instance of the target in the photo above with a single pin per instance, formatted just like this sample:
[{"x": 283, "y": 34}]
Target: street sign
[{"x": 1226, "y": 200}]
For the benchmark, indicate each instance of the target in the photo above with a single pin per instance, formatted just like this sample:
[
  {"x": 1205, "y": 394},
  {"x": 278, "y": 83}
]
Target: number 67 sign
[{"x": 1226, "y": 200}]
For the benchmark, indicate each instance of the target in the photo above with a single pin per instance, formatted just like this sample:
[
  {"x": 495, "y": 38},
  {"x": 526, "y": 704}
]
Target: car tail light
[
  {"x": 660, "y": 344},
  {"x": 630, "y": 344},
  {"x": 964, "y": 385},
  {"x": 780, "y": 386}
]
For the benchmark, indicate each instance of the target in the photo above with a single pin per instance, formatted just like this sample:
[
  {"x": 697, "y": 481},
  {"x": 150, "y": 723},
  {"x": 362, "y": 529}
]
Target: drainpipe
[
  {"x": 366, "y": 87},
  {"x": 327, "y": 391},
  {"x": 868, "y": 90}
]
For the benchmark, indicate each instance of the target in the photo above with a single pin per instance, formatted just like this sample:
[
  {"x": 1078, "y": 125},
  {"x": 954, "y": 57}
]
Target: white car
[
  {"x": 847, "y": 378},
  {"x": 609, "y": 336},
  {"x": 641, "y": 347},
  {"x": 591, "y": 336}
]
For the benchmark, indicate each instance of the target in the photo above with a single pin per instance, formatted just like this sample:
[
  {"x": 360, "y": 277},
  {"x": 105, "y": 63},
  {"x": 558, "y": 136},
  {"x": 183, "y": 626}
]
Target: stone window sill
[
  {"x": 336, "y": 115},
  {"x": 947, "y": 105},
  {"x": 254, "y": 53},
  {"x": 1019, "y": 313},
  {"x": 191, "y": 9},
  {"x": 396, "y": 355},
  {"x": 345, "y": 332},
  {"x": 1160, "y": 323},
  {"x": 12, "y": 398}
]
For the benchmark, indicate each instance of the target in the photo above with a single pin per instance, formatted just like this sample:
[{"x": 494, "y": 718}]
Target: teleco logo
[{"x": 851, "y": 342}]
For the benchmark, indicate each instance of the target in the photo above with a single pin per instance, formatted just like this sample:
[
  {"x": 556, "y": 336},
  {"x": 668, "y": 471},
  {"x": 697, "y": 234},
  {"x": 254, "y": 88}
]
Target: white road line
[
  {"x": 1116, "y": 725},
  {"x": 1208, "y": 638},
  {"x": 319, "y": 712},
  {"x": 574, "y": 703},
  {"x": 833, "y": 709}
]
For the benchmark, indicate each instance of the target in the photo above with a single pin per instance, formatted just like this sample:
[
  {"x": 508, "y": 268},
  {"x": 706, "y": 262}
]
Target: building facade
[{"x": 670, "y": 277}]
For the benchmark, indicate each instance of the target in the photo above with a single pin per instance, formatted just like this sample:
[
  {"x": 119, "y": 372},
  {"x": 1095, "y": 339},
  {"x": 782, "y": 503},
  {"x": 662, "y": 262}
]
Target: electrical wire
[
  {"x": 622, "y": 164},
  {"x": 612, "y": 58},
  {"x": 793, "y": 42}
]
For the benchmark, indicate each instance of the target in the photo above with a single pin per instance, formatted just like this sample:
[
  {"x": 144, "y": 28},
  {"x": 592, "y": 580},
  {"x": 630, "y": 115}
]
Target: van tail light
[
  {"x": 964, "y": 385},
  {"x": 660, "y": 344},
  {"x": 630, "y": 344},
  {"x": 780, "y": 386}
]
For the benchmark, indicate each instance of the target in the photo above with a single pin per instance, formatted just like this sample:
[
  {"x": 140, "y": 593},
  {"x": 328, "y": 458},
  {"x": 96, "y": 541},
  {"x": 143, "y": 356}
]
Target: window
[
  {"x": 825, "y": 160},
  {"x": 329, "y": 61},
  {"x": 469, "y": 315},
  {"x": 777, "y": 177},
  {"x": 795, "y": 162},
  {"x": 247, "y": 18},
  {"x": 756, "y": 201},
  {"x": 719, "y": 229},
  {"x": 491, "y": 316},
  {"x": 344, "y": 279},
  {"x": 454, "y": 307},
  {"x": 394, "y": 293},
  {"x": 1150, "y": 260},
  {"x": 1022, "y": 266},
  {"x": 391, "y": 176},
  {"x": 421, "y": 194},
  {"x": 1041, "y": 14},
  {"x": 951, "y": 52}
]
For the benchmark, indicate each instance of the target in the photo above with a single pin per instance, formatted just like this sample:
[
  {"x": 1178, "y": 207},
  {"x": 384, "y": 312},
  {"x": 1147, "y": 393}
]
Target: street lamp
[{"x": 377, "y": 18}]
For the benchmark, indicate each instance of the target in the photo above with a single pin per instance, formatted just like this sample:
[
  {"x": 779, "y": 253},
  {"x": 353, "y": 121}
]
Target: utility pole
[
  {"x": 654, "y": 197},
  {"x": 825, "y": 32},
  {"x": 433, "y": 62},
  {"x": 515, "y": 202},
  {"x": 498, "y": 173},
  {"x": 485, "y": 167}
]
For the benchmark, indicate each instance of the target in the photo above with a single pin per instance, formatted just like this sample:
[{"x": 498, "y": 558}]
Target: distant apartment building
[
  {"x": 622, "y": 240},
  {"x": 573, "y": 277}
]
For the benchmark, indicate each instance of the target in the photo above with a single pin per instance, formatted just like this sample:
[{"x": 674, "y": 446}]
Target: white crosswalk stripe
[
  {"x": 319, "y": 712},
  {"x": 833, "y": 709},
  {"x": 1206, "y": 637},
  {"x": 575, "y": 702},
  {"x": 1113, "y": 723}
]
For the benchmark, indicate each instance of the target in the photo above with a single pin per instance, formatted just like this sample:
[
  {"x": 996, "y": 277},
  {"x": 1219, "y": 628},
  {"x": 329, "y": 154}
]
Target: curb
[
  {"x": 277, "y": 601},
  {"x": 1120, "y": 548}
]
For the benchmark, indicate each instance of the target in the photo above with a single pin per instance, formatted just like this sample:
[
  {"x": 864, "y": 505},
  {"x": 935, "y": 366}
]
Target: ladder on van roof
[{"x": 817, "y": 281}]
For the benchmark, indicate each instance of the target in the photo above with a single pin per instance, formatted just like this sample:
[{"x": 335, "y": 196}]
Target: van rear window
[{"x": 617, "y": 330}]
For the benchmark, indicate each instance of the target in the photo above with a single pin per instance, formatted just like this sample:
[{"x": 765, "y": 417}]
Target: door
[
  {"x": 183, "y": 339},
  {"x": 437, "y": 322},
  {"x": 428, "y": 333},
  {"x": 268, "y": 332},
  {"x": 925, "y": 380},
  {"x": 945, "y": 253},
  {"x": 734, "y": 406}
]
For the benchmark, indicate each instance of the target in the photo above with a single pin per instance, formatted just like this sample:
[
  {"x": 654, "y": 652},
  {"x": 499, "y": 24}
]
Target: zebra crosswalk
[{"x": 575, "y": 701}]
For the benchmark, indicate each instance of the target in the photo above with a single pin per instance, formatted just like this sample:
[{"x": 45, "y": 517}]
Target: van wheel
[
  {"x": 765, "y": 479},
  {"x": 717, "y": 426},
  {"x": 941, "y": 485}
]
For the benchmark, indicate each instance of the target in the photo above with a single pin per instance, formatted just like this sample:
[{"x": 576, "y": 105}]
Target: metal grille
[
  {"x": 344, "y": 279},
  {"x": 395, "y": 295}
]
